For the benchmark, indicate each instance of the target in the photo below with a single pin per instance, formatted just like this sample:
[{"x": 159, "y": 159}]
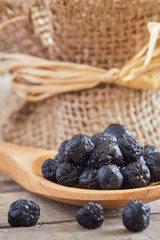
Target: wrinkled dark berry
[
  {"x": 118, "y": 131},
  {"x": 121, "y": 168},
  {"x": 153, "y": 163},
  {"x": 67, "y": 174},
  {"x": 23, "y": 213},
  {"x": 136, "y": 175},
  {"x": 90, "y": 216},
  {"x": 147, "y": 149},
  {"x": 50, "y": 166},
  {"x": 78, "y": 149},
  {"x": 110, "y": 177},
  {"x": 59, "y": 158},
  {"x": 62, "y": 147},
  {"x": 101, "y": 138},
  {"x": 105, "y": 154},
  {"x": 141, "y": 160},
  {"x": 89, "y": 179},
  {"x": 131, "y": 149},
  {"x": 136, "y": 215}
]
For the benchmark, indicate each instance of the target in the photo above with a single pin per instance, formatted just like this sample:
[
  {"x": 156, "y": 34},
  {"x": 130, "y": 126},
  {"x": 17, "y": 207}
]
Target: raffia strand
[{"x": 12, "y": 20}]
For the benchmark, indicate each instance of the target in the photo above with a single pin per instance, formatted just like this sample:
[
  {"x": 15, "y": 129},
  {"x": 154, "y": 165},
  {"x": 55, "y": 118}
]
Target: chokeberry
[
  {"x": 89, "y": 179},
  {"x": 62, "y": 147},
  {"x": 118, "y": 131},
  {"x": 110, "y": 177},
  {"x": 105, "y": 154},
  {"x": 101, "y": 138},
  {"x": 67, "y": 174},
  {"x": 91, "y": 216},
  {"x": 49, "y": 167},
  {"x": 141, "y": 160},
  {"x": 131, "y": 149},
  {"x": 136, "y": 175},
  {"x": 153, "y": 163},
  {"x": 147, "y": 149},
  {"x": 136, "y": 215},
  {"x": 59, "y": 158},
  {"x": 78, "y": 149},
  {"x": 23, "y": 213}
]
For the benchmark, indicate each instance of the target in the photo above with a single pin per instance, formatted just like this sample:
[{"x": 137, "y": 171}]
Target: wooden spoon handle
[{"x": 14, "y": 157}]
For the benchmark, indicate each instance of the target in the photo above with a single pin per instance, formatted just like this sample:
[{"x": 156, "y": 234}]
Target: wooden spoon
[{"x": 23, "y": 164}]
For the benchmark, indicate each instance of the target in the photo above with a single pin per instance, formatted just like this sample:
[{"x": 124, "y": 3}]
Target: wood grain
[
  {"x": 51, "y": 211},
  {"x": 72, "y": 231},
  {"x": 8, "y": 185},
  {"x": 57, "y": 221}
]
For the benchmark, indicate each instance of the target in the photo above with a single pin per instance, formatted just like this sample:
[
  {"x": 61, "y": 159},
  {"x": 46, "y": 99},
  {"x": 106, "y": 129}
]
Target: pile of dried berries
[{"x": 112, "y": 159}]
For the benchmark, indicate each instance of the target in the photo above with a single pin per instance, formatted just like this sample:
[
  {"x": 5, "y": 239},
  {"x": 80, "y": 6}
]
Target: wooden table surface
[{"x": 57, "y": 220}]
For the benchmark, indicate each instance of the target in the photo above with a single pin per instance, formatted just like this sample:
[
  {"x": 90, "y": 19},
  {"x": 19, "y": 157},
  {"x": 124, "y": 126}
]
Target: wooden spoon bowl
[{"x": 24, "y": 166}]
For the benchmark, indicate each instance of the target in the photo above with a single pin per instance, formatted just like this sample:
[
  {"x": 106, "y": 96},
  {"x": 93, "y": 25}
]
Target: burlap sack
[
  {"x": 103, "y": 34},
  {"x": 46, "y": 124}
]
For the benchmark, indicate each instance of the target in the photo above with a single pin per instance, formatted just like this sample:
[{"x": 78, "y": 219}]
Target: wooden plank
[
  {"x": 72, "y": 231},
  {"x": 51, "y": 211},
  {"x": 3, "y": 177},
  {"x": 8, "y": 185},
  {"x": 57, "y": 221}
]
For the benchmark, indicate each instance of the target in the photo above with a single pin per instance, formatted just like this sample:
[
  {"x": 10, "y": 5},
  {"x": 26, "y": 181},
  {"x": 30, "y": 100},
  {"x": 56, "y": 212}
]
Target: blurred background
[
  {"x": 5, "y": 87},
  {"x": 104, "y": 34}
]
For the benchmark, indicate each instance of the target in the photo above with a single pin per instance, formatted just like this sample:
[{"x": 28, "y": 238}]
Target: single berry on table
[
  {"x": 136, "y": 215},
  {"x": 49, "y": 167},
  {"x": 105, "y": 154},
  {"x": 136, "y": 175},
  {"x": 91, "y": 216},
  {"x": 118, "y": 131},
  {"x": 89, "y": 179},
  {"x": 78, "y": 149},
  {"x": 67, "y": 174},
  {"x": 131, "y": 149},
  {"x": 101, "y": 138},
  {"x": 110, "y": 177},
  {"x": 23, "y": 213}
]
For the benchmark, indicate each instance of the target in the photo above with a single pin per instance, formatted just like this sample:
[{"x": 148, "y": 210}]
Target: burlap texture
[
  {"x": 19, "y": 37},
  {"x": 46, "y": 124},
  {"x": 103, "y": 33}
]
